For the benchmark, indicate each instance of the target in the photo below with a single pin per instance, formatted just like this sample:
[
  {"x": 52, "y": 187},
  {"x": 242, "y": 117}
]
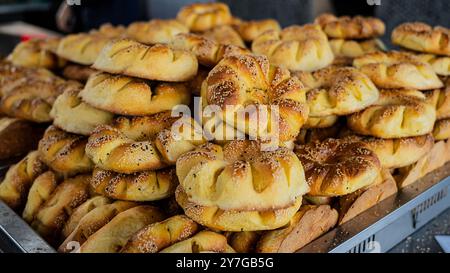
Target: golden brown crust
[
  {"x": 423, "y": 38},
  {"x": 156, "y": 31},
  {"x": 320, "y": 122},
  {"x": 32, "y": 53},
  {"x": 158, "y": 62},
  {"x": 249, "y": 30},
  {"x": 353, "y": 49},
  {"x": 396, "y": 114},
  {"x": 77, "y": 72},
  {"x": 346, "y": 27},
  {"x": 110, "y": 31},
  {"x": 130, "y": 96},
  {"x": 115, "y": 234},
  {"x": 440, "y": 64},
  {"x": 155, "y": 237},
  {"x": 64, "y": 152},
  {"x": 334, "y": 167},
  {"x": 440, "y": 98},
  {"x": 318, "y": 134},
  {"x": 308, "y": 223},
  {"x": 204, "y": 241},
  {"x": 298, "y": 48},
  {"x": 17, "y": 182},
  {"x": 245, "y": 241},
  {"x": 225, "y": 35},
  {"x": 204, "y": 16},
  {"x": 82, "y": 48},
  {"x": 396, "y": 69},
  {"x": 441, "y": 129},
  {"x": 353, "y": 204}
]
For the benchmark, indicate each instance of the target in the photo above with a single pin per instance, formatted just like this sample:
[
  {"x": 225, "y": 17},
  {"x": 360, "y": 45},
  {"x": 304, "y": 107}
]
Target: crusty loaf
[
  {"x": 353, "y": 48},
  {"x": 82, "y": 48},
  {"x": 156, "y": 31},
  {"x": 204, "y": 16},
  {"x": 346, "y": 27},
  {"x": 249, "y": 30},
  {"x": 225, "y": 35},
  {"x": 32, "y": 53}
]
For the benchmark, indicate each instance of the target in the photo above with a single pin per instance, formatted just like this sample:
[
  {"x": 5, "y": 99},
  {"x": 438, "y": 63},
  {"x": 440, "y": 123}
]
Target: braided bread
[
  {"x": 77, "y": 72},
  {"x": 32, "y": 53},
  {"x": 74, "y": 116},
  {"x": 298, "y": 48},
  {"x": 249, "y": 30},
  {"x": 423, "y": 38},
  {"x": 225, "y": 35},
  {"x": 440, "y": 64},
  {"x": 266, "y": 196},
  {"x": 208, "y": 51},
  {"x": 241, "y": 81},
  {"x": 52, "y": 215},
  {"x": 17, "y": 182},
  {"x": 142, "y": 186},
  {"x": 441, "y": 129},
  {"x": 346, "y": 27},
  {"x": 115, "y": 234},
  {"x": 157, "y": 236},
  {"x": 40, "y": 191},
  {"x": 337, "y": 91},
  {"x": 82, "y": 48},
  {"x": 394, "y": 115},
  {"x": 397, "y": 152},
  {"x": 158, "y": 62},
  {"x": 440, "y": 98},
  {"x": 64, "y": 152},
  {"x": 334, "y": 167},
  {"x": 204, "y": 241},
  {"x": 397, "y": 70},
  {"x": 93, "y": 221},
  {"x": 309, "y": 223},
  {"x": 131, "y": 96},
  {"x": 156, "y": 31},
  {"x": 204, "y": 16}
]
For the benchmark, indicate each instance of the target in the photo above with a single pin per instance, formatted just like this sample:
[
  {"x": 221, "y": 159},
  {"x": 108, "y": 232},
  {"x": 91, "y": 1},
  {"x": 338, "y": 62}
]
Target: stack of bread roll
[{"x": 355, "y": 122}]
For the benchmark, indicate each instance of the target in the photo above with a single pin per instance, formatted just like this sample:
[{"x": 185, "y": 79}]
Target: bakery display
[{"x": 124, "y": 158}]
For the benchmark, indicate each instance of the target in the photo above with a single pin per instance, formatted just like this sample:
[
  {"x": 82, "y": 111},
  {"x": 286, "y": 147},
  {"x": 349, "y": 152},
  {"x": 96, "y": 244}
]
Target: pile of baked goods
[{"x": 356, "y": 123}]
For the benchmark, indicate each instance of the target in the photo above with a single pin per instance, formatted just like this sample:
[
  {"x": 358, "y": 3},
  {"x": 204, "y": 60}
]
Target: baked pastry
[
  {"x": 131, "y": 96},
  {"x": 156, "y": 31},
  {"x": 353, "y": 204},
  {"x": 75, "y": 116},
  {"x": 17, "y": 182},
  {"x": 397, "y": 152},
  {"x": 12, "y": 75},
  {"x": 110, "y": 31},
  {"x": 32, "y": 53},
  {"x": 440, "y": 98},
  {"x": 64, "y": 152},
  {"x": 245, "y": 241},
  {"x": 77, "y": 72},
  {"x": 249, "y": 30},
  {"x": 320, "y": 122},
  {"x": 40, "y": 191},
  {"x": 81, "y": 211},
  {"x": 202, "y": 242},
  {"x": 204, "y": 16},
  {"x": 225, "y": 35},
  {"x": 308, "y": 223},
  {"x": 248, "y": 83},
  {"x": 18, "y": 137},
  {"x": 334, "y": 167},
  {"x": 158, "y": 62},
  {"x": 394, "y": 115},
  {"x": 208, "y": 51},
  {"x": 155, "y": 237},
  {"x": 140, "y": 186},
  {"x": 195, "y": 84},
  {"x": 82, "y": 48},
  {"x": 346, "y": 27},
  {"x": 337, "y": 91},
  {"x": 298, "y": 48},
  {"x": 264, "y": 193},
  {"x": 441, "y": 129},
  {"x": 353, "y": 48},
  {"x": 423, "y": 38},
  {"x": 93, "y": 221},
  {"x": 440, "y": 64},
  {"x": 396, "y": 69},
  {"x": 115, "y": 234},
  {"x": 52, "y": 215},
  {"x": 318, "y": 134}
]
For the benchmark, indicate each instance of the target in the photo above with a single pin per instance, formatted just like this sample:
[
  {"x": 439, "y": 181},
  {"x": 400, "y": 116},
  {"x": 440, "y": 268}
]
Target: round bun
[
  {"x": 156, "y": 31},
  {"x": 32, "y": 53},
  {"x": 131, "y": 96},
  {"x": 440, "y": 64},
  {"x": 334, "y": 167},
  {"x": 337, "y": 91},
  {"x": 64, "y": 152},
  {"x": 398, "y": 70},
  {"x": 423, "y": 38},
  {"x": 204, "y": 16},
  {"x": 249, "y": 30},
  {"x": 394, "y": 115},
  {"x": 158, "y": 62},
  {"x": 442, "y": 129},
  {"x": 140, "y": 186},
  {"x": 346, "y": 27},
  {"x": 225, "y": 35},
  {"x": 298, "y": 48},
  {"x": 240, "y": 81},
  {"x": 239, "y": 179},
  {"x": 440, "y": 98},
  {"x": 74, "y": 116}
]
